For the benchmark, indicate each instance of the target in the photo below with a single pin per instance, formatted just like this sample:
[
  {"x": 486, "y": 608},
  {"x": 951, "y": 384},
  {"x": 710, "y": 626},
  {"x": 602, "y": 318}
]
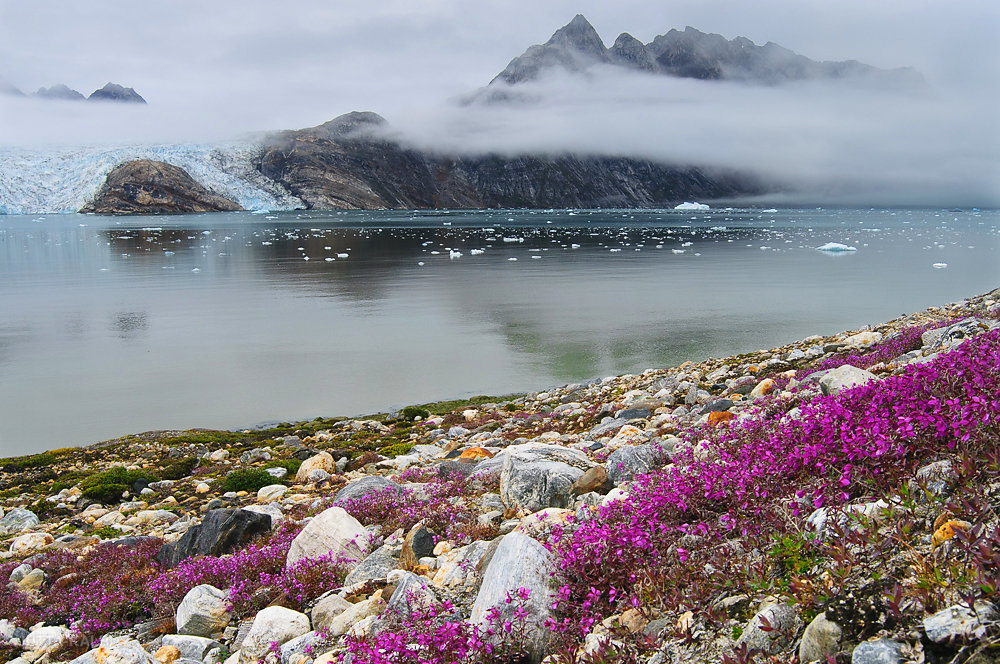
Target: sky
[{"x": 220, "y": 69}]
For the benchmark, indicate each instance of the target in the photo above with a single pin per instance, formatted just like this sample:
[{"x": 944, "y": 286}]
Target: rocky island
[{"x": 834, "y": 499}]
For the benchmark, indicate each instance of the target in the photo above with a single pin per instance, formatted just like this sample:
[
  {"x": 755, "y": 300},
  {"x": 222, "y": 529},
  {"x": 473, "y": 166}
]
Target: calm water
[{"x": 118, "y": 325}]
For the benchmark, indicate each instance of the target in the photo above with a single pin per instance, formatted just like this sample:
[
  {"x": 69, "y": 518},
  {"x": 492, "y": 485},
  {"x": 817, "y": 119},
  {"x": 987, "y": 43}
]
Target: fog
[{"x": 237, "y": 69}]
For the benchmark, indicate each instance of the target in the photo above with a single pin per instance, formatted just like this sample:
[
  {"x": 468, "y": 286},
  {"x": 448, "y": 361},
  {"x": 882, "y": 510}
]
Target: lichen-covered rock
[
  {"x": 17, "y": 520},
  {"x": 45, "y": 640},
  {"x": 221, "y": 531},
  {"x": 365, "y": 486},
  {"x": 882, "y": 651},
  {"x": 274, "y": 624},
  {"x": 535, "y": 476},
  {"x": 959, "y": 623},
  {"x": 335, "y": 532},
  {"x": 784, "y": 622},
  {"x": 821, "y": 638},
  {"x": 204, "y": 611}
]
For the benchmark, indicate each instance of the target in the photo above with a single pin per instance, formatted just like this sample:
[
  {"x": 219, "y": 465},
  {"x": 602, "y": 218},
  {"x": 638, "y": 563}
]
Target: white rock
[
  {"x": 30, "y": 542},
  {"x": 109, "y": 519},
  {"x": 322, "y": 461},
  {"x": 959, "y": 623},
  {"x": 191, "y": 647},
  {"x": 844, "y": 377},
  {"x": 47, "y": 639},
  {"x": 344, "y": 621},
  {"x": 270, "y": 509},
  {"x": 271, "y": 492},
  {"x": 332, "y": 531},
  {"x": 275, "y": 623},
  {"x": 203, "y": 611},
  {"x": 866, "y": 338}
]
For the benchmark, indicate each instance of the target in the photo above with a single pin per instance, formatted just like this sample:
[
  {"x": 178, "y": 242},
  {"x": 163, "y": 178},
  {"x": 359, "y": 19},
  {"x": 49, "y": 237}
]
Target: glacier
[{"x": 64, "y": 179}]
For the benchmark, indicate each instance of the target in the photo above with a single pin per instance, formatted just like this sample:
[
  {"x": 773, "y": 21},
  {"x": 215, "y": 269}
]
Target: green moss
[
  {"x": 247, "y": 479},
  {"x": 291, "y": 465},
  {"x": 179, "y": 469},
  {"x": 108, "y": 487},
  {"x": 396, "y": 449},
  {"x": 411, "y": 413},
  {"x": 18, "y": 464},
  {"x": 106, "y": 532}
]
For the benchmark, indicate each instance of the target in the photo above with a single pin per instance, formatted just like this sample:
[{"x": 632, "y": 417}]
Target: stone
[
  {"x": 763, "y": 388},
  {"x": 48, "y": 639},
  {"x": 221, "y": 531},
  {"x": 594, "y": 479},
  {"x": 294, "y": 651},
  {"x": 202, "y": 488},
  {"x": 276, "y": 473},
  {"x": 449, "y": 467},
  {"x": 365, "y": 486},
  {"x": 627, "y": 435},
  {"x": 327, "y": 608},
  {"x": 32, "y": 581},
  {"x": 538, "y": 523},
  {"x": 191, "y": 647},
  {"x": 204, "y": 611},
  {"x": 341, "y": 624},
  {"x": 154, "y": 517},
  {"x": 418, "y": 543},
  {"x": 947, "y": 530},
  {"x": 606, "y": 428},
  {"x": 117, "y": 650},
  {"x": 535, "y": 475},
  {"x": 30, "y": 542},
  {"x": 17, "y": 520},
  {"x": 625, "y": 463},
  {"x": 270, "y": 509},
  {"x": 844, "y": 377},
  {"x": 960, "y": 624},
  {"x": 167, "y": 654},
  {"x": 821, "y": 638},
  {"x": 518, "y": 562},
  {"x": 332, "y": 531},
  {"x": 109, "y": 519},
  {"x": 271, "y": 492},
  {"x": 629, "y": 414},
  {"x": 322, "y": 461},
  {"x": 717, "y": 417},
  {"x": 475, "y": 454},
  {"x": 882, "y": 651},
  {"x": 275, "y": 623},
  {"x": 411, "y": 593},
  {"x": 19, "y": 572},
  {"x": 784, "y": 622},
  {"x": 375, "y": 565},
  {"x": 866, "y": 338},
  {"x": 458, "y": 567}
]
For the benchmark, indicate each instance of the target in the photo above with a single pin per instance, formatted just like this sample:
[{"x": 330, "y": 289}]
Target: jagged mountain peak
[
  {"x": 353, "y": 124},
  {"x": 580, "y": 36},
  {"x": 118, "y": 93},
  {"x": 59, "y": 91}
]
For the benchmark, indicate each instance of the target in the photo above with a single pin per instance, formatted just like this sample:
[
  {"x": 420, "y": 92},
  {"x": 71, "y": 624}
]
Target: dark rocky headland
[
  {"x": 154, "y": 187},
  {"x": 835, "y": 500}
]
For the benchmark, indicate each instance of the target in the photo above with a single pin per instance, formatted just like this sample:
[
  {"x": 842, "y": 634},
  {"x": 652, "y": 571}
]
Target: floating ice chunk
[
  {"x": 678, "y": 251},
  {"x": 512, "y": 259},
  {"x": 452, "y": 255},
  {"x": 343, "y": 255},
  {"x": 940, "y": 266},
  {"x": 513, "y": 239},
  {"x": 691, "y": 206},
  {"x": 328, "y": 259},
  {"x": 536, "y": 257},
  {"x": 477, "y": 252},
  {"x": 196, "y": 269},
  {"x": 835, "y": 247},
  {"x": 574, "y": 246}
]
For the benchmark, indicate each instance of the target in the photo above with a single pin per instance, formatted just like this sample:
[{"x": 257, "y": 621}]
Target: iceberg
[
  {"x": 691, "y": 206},
  {"x": 835, "y": 248}
]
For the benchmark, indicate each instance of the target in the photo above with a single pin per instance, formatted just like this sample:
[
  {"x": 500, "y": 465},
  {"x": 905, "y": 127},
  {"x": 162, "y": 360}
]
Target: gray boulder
[
  {"x": 221, "y": 531},
  {"x": 365, "y": 486},
  {"x": 518, "y": 562},
  {"x": 821, "y": 638},
  {"x": 412, "y": 592},
  {"x": 784, "y": 622},
  {"x": 626, "y": 462},
  {"x": 191, "y": 647},
  {"x": 959, "y": 623},
  {"x": 204, "y": 611},
  {"x": 327, "y": 608},
  {"x": 882, "y": 651},
  {"x": 376, "y": 565},
  {"x": 535, "y": 476},
  {"x": 17, "y": 520},
  {"x": 844, "y": 377},
  {"x": 116, "y": 650},
  {"x": 47, "y": 640},
  {"x": 333, "y": 531}
]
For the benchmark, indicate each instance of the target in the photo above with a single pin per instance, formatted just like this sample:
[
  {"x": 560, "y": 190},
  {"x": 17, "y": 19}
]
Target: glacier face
[{"x": 57, "y": 180}]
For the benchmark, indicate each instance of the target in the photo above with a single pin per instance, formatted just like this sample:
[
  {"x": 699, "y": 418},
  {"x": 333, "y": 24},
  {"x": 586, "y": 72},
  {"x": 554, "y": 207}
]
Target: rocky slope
[
  {"x": 116, "y": 93},
  {"x": 687, "y": 54},
  {"x": 154, "y": 187},
  {"x": 835, "y": 499},
  {"x": 345, "y": 164}
]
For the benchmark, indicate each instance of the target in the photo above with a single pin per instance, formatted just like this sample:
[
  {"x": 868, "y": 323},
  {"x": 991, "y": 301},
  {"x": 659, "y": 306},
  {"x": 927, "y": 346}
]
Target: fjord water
[{"x": 116, "y": 325}]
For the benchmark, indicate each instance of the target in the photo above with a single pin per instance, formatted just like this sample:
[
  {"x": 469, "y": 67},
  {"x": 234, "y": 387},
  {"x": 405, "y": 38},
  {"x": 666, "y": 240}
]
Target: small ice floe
[
  {"x": 343, "y": 255},
  {"x": 691, "y": 206},
  {"x": 329, "y": 259},
  {"x": 260, "y": 212},
  {"x": 678, "y": 251},
  {"x": 512, "y": 259},
  {"x": 574, "y": 246},
  {"x": 421, "y": 263},
  {"x": 305, "y": 258},
  {"x": 266, "y": 243},
  {"x": 477, "y": 252},
  {"x": 196, "y": 269},
  {"x": 168, "y": 253},
  {"x": 835, "y": 247},
  {"x": 452, "y": 255},
  {"x": 513, "y": 239},
  {"x": 535, "y": 257},
  {"x": 940, "y": 266}
]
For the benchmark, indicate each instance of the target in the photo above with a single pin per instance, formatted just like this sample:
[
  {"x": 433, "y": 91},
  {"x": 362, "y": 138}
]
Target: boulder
[
  {"x": 418, "y": 543},
  {"x": 882, "y": 651},
  {"x": 519, "y": 564},
  {"x": 204, "y": 611},
  {"x": 271, "y": 492},
  {"x": 536, "y": 475},
  {"x": 458, "y": 567},
  {"x": 366, "y": 486},
  {"x": 327, "y": 608},
  {"x": 221, "y": 531},
  {"x": 117, "y": 650},
  {"x": 594, "y": 479},
  {"x": 273, "y": 624},
  {"x": 626, "y": 462},
  {"x": 30, "y": 542},
  {"x": 821, "y": 638},
  {"x": 334, "y": 532},
  {"x": 844, "y": 377},
  {"x": 355, "y": 614},
  {"x": 412, "y": 592},
  {"x": 784, "y": 623},
  {"x": 321, "y": 461},
  {"x": 191, "y": 647},
  {"x": 17, "y": 520},
  {"x": 959, "y": 623},
  {"x": 47, "y": 639},
  {"x": 376, "y": 565}
]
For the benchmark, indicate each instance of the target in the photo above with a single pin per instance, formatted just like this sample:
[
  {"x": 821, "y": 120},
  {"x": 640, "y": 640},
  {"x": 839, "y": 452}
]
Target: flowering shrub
[
  {"x": 904, "y": 341},
  {"x": 751, "y": 480}
]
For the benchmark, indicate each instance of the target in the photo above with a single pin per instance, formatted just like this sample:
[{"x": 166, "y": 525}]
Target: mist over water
[{"x": 117, "y": 325}]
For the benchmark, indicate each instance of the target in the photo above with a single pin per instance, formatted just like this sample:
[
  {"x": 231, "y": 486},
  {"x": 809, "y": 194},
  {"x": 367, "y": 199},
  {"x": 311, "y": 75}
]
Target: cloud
[{"x": 236, "y": 67}]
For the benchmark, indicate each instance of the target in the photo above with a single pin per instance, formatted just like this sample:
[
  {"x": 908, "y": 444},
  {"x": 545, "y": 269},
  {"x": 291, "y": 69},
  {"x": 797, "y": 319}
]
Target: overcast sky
[{"x": 209, "y": 69}]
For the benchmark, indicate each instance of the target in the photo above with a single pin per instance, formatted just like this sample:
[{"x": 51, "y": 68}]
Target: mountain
[
  {"x": 348, "y": 164},
  {"x": 145, "y": 186},
  {"x": 686, "y": 54},
  {"x": 59, "y": 91},
  {"x": 8, "y": 88},
  {"x": 117, "y": 93}
]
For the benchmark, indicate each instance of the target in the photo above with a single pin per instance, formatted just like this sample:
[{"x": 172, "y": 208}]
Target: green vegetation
[
  {"x": 106, "y": 532},
  {"x": 247, "y": 479},
  {"x": 395, "y": 449},
  {"x": 108, "y": 487},
  {"x": 291, "y": 465},
  {"x": 179, "y": 469},
  {"x": 411, "y": 413},
  {"x": 18, "y": 464}
]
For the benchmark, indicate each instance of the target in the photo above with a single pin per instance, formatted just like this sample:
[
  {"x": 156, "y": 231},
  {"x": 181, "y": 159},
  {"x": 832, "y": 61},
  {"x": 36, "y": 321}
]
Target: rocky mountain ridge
[
  {"x": 726, "y": 510},
  {"x": 111, "y": 92},
  {"x": 690, "y": 53}
]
